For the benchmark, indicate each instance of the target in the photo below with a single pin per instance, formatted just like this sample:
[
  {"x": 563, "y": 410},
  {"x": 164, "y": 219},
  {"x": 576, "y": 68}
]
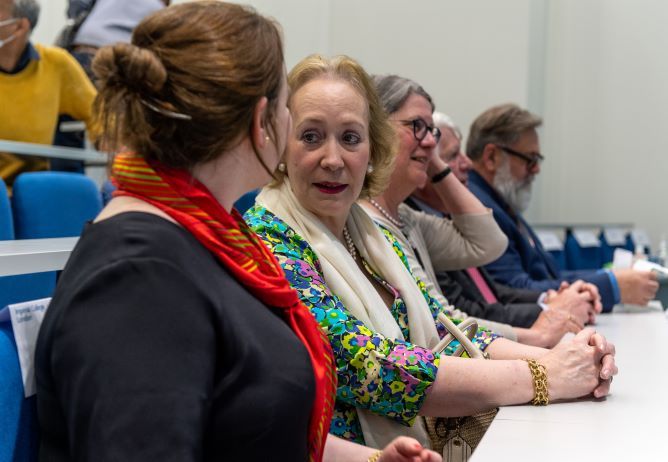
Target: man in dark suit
[
  {"x": 504, "y": 148},
  {"x": 473, "y": 291}
]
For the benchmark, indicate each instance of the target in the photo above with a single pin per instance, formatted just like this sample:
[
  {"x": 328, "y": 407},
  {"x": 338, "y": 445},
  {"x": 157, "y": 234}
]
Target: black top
[{"x": 151, "y": 351}]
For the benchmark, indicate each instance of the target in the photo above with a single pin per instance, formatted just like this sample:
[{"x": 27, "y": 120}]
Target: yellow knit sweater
[{"x": 31, "y": 100}]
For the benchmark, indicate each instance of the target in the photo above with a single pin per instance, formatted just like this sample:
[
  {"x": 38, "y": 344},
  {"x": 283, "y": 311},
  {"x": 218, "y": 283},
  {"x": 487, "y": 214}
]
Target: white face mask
[
  {"x": 7, "y": 22},
  {"x": 7, "y": 40}
]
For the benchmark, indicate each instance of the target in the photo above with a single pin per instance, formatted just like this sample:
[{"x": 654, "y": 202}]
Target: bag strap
[{"x": 463, "y": 333}]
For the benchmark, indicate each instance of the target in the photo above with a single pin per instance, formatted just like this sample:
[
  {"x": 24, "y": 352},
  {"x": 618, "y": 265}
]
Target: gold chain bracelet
[
  {"x": 374, "y": 457},
  {"x": 539, "y": 376}
]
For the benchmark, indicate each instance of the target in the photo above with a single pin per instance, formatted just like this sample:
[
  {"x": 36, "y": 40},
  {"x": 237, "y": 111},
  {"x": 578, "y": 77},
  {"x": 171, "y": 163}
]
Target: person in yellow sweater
[{"x": 37, "y": 83}]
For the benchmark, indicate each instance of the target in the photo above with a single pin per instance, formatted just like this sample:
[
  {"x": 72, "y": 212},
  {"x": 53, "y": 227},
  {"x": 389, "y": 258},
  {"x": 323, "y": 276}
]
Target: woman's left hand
[
  {"x": 405, "y": 449},
  {"x": 608, "y": 367}
]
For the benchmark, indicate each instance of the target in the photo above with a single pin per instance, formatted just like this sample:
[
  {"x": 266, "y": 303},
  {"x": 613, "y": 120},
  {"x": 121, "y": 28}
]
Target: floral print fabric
[{"x": 389, "y": 377}]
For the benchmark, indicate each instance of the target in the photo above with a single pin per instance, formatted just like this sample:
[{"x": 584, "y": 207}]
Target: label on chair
[
  {"x": 586, "y": 238},
  {"x": 549, "y": 240},
  {"x": 26, "y": 320},
  {"x": 614, "y": 236},
  {"x": 640, "y": 237}
]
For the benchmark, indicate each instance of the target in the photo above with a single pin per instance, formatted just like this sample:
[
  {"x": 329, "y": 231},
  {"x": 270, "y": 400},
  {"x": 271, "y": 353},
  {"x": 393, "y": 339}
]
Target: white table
[
  {"x": 54, "y": 152},
  {"x": 35, "y": 255},
  {"x": 628, "y": 425}
]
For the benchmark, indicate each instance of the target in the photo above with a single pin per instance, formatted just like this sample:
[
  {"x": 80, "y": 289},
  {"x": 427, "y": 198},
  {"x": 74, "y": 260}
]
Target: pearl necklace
[
  {"x": 349, "y": 242},
  {"x": 396, "y": 222}
]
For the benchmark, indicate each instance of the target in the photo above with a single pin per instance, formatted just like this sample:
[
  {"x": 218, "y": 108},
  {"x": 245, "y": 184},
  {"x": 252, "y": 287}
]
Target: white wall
[
  {"x": 594, "y": 69},
  {"x": 606, "y": 113}
]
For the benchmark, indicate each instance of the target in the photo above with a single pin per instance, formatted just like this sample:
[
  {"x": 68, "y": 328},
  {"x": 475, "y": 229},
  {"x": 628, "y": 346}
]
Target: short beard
[{"x": 517, "y": 193}]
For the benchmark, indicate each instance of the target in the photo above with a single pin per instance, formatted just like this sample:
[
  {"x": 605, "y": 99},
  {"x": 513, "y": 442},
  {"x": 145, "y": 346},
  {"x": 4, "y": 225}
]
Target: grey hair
[
  {"x": 28, "y": 9},
  {"x": 501, "y": 124},
  {"x": 394, "y": 91},
  {"x": 445, "y": 121}
]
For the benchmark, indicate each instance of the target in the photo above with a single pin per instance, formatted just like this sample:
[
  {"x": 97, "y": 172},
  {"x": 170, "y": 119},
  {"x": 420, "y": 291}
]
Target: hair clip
[{"x": 165, "y": 112}]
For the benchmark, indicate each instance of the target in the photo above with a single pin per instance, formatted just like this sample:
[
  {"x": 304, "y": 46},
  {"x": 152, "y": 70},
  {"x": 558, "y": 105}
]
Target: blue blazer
[{"x": 525, "y": 264}]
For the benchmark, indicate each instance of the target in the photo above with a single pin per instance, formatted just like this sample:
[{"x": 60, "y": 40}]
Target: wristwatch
[{"x": 442, "y": 174}]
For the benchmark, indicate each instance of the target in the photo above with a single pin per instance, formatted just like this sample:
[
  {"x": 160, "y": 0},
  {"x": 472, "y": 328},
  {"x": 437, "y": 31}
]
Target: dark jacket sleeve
[{"x": 457, "y": 289}]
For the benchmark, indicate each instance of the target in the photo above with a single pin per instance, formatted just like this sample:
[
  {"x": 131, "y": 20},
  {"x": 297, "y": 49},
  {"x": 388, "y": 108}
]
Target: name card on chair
[
  {"x": 614, "y": 236},
  {"x": 586, "y": 238},
  {"x": 640, "y": 237},
  {"x": 549, "y": 240},
  {"x": 26, "y": 320}
]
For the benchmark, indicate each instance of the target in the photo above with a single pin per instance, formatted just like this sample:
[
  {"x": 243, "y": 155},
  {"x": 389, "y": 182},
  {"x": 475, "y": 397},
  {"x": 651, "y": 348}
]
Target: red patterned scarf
[{"x": 230, "y": 239}]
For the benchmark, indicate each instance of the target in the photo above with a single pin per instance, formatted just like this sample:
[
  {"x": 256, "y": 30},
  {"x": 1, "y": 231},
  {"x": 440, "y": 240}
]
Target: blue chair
[
  {"x": 47, "y": 204},
  {"x": 15, "y": 289},
  {"x": 18, "y": 415},
  {"x": 582, "y": 257},
  {"x": 611, "y": 239},
  {"x": 6, "y": 220},
  {"x": 246, "y": 201},
  {"x": 635, "y": 237},
  {"x": 53, "y": 204},
  {"x": 107, "y": 190}
]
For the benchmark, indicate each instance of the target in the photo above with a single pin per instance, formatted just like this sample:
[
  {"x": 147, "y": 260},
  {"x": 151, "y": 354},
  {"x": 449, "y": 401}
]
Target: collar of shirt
[{"x": 30, "y": 53}]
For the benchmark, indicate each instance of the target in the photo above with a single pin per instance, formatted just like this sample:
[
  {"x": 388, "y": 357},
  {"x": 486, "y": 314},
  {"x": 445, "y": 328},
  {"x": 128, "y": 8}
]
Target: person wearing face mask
[
  {"x": 504, "y": 147},
  {"x": 37, "y": 83}
]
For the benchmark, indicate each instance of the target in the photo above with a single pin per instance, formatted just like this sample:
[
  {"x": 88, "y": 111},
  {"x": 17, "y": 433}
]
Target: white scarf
[{"x": 345, "y": 280}]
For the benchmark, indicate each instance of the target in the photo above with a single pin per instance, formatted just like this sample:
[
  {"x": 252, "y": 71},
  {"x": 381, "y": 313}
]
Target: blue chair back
[
  {"x": 608, "y": 248},
  {"x": 53, "y": 204},
  {"x": 15, "y": 289},
  {"x": 578, "y": 257},
  {"x": 632, "y": 241},
  {"x": 18, "y": 415},
  {"x": 107, "y": 190},
  {"x": 246, "y": 201},
  {"x": 6, "y": 220}
]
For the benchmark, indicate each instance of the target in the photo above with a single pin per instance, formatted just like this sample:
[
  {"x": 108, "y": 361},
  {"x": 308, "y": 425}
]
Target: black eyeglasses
[
  {"x": 532, "y": 160},
  {"x": 420, "y": 129}
]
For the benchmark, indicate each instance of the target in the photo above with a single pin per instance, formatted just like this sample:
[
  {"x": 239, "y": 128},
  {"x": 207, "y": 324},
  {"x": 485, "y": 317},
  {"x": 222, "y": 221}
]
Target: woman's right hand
[
  {"x": 583, "y": 366},
  {"x": 405, "y": 449}
]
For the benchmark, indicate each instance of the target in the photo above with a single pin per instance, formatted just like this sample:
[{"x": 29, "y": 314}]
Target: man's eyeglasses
[
  {"x": 532, "y": 160},
  {"x": 420, "y": 129}
]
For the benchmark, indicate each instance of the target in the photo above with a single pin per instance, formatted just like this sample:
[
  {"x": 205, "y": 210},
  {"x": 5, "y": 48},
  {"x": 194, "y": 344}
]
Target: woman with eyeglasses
[
  {"x": 470, "y": 238},
  {"x": 381, "y": 321}
]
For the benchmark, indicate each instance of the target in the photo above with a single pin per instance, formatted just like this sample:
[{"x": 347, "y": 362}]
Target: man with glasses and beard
[{"x": 504, "y": 148}]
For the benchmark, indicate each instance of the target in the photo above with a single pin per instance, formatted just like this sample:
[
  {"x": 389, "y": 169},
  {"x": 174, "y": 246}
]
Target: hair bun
[{"x": 128, "y": 65}]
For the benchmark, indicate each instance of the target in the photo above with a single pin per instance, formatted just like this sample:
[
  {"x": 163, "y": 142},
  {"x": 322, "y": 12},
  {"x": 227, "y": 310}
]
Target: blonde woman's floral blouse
[{"x": 388, "y": 376}]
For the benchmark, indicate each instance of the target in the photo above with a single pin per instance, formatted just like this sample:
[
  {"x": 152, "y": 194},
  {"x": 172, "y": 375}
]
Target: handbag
[
  {"x": 457, "y": 437},
  {"x": 67, "y": 34}
]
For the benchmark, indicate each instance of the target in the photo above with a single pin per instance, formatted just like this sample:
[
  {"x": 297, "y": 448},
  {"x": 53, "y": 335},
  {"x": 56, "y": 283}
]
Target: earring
[
  {"x": 369, "y": 169},
  {"x": 281, "y": 167},
  {"x": 266, "y": 138}
]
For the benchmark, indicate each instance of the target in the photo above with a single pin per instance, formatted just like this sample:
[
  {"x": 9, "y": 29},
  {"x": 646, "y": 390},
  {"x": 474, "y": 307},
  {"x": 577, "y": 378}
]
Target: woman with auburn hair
[
  {"x": 380, "y": 322},
  {"x": 173, "y": 333}
]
